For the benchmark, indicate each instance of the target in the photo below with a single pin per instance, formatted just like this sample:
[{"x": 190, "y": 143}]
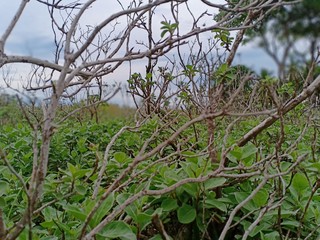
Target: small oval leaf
[
  {"x": 186, "y": 214},
  {"x": 118, "y": 229},
  {"x": 169, "y": 204},
  {"x": 214, "y": 182},
  {"x": 300, "y": 182}
]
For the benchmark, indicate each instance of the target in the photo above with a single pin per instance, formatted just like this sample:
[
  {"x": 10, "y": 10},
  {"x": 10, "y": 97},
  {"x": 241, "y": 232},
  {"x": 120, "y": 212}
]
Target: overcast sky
[{"x": 33, "y": 35}]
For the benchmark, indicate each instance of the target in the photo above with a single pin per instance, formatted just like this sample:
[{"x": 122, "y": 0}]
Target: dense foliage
[{"x": 192, "y": 210}]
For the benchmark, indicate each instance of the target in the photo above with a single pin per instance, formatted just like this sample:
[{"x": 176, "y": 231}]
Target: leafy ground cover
[
  {"x": 213, "y": 149},
  {"x": 270, "y": 186}
]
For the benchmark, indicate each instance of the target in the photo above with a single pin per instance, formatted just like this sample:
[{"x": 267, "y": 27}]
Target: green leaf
[
  {"x": 4, "y": 186},
  {"x": 223, "y": 68},
  {"x": 246, "y": 154},
  {"x": 132, "y": 209},
  {"x": 261, "y": 198},
  {"x": 76, "y": 212},
  {"x": 246, "y": 186},
  {"x": 103, "y": 209},
  {"x": 186, "y": 214},
  {"x": 117, "y": 229},
  {"x": 214, "y": 182},
  {"x": 48, "y": 224},
  {"x": 255, "y": 231},
  {"x": 80, "y": 173},
  {"x": 148, "y": 75},
  {"x": 270, "y": 236},
  {"x": 2, "y": 202},
  {"x": 190, "y": 156},
  {"x": 163, "y": 33},
  {"x": 171, "y": 176},
  {"x": 81, "y": 189},
  {"x": 224, "y": 38},
  {"x": 81, "y": 145},
  {"x": 188, "y": 169},
  {"x": 174, "y": 25},
  {"x": 191, "y": 188},
  {"x": 215, "y": 203},
  {"x": 292, "y": 224},
  {"x": 169, "y": 204},
  {"x": 50, "y": 238},
  {"x": 248, "y": 151},
  {"x": 164, "y": 23},
  {"x": 62, "y": 226},
  {"x": 143, "y": 220},
  {"x": 300, "y": 182},
  {"x": 73, "y": 169},
  {"x": 120, "y": 157},
  {"x": 49, "y": 213},
  {"x": 201, "y": 224},
  {"x": 240, "y": 196},
  {"x": 284, "y": 213},
  {"x": 284, "y": 166},
  {"x": 156, "y": 237}
]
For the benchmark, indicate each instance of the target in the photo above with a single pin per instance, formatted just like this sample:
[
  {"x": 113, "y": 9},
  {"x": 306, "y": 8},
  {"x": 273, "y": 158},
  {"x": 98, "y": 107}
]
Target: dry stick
[
  {"x": 3, "y": 156},
  {"x": 248, "y": 21},
  {"x": 71, "y": 32},
  {"x": 255, "y": 191},
  {"x": 307, "y": 92},
  {"x": 105, "y": 160},
  {"x": 38, "y": 175},
  {"x": 35, "y": 159},
  {"x": 314, "y": 189},
  {"x": 265, "y": 210},
  {"x": 47, "y": 204},
  {"x": 238, "y": 40},
  {"x": 244, "y": 217},
  {"x": 106, "y": 155},
  {"x": 26, "y": 217},
  {"x": 136, "y": 174},
  {"x": 12, "y": 170},
  {"x": 312, "y": 232},
  {"x": 240, "y": 205},
  {"x": 12, "y": 24},
  {"x": 56, "y": 5},
  {"x": 40, "y": 62},
  {"x": 87, "y": 106},
  {"x": 299, "y": 138},
  {"x": 159, "y": 226},
  {"x": 98, "y": 28}
]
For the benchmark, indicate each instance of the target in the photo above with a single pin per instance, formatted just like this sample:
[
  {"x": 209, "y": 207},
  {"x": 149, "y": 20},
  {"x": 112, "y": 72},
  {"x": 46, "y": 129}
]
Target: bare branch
[
  {"x": 11, "y": 26},
  {"x": 307, "y": 92}
]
